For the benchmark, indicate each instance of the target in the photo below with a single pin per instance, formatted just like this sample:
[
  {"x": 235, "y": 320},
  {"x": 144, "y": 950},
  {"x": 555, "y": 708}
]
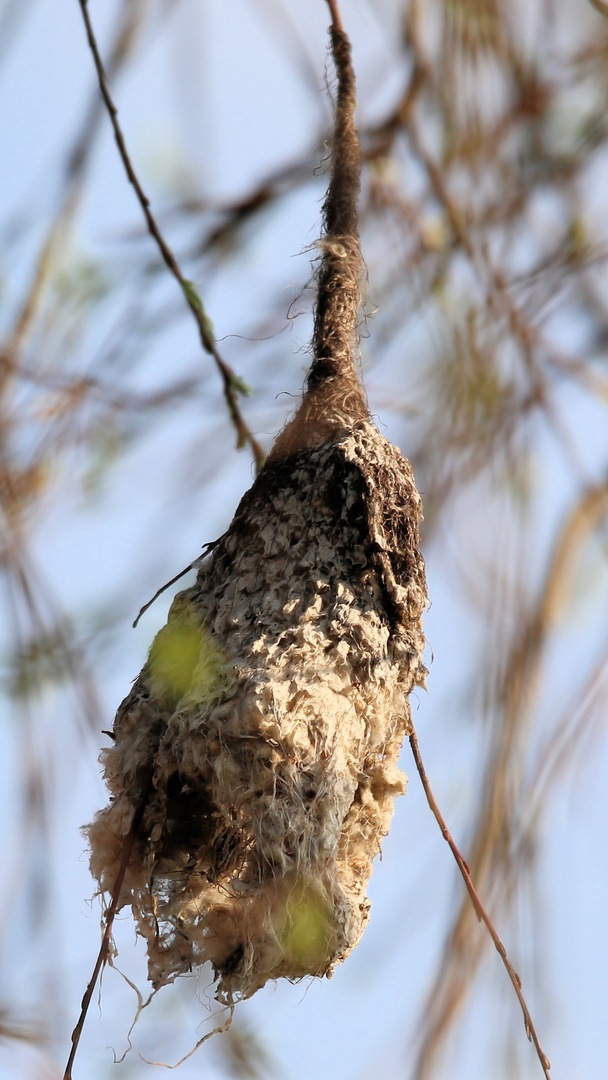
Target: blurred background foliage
[{"x": 484, "y": 216}]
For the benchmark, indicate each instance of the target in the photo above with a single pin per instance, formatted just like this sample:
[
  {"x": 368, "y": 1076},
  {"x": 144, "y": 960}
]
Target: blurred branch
[
  {"x": 497, "y": 297},
  {"x": 245, "y": 1055},
  {"x": 11, "y": 16},
  {"x": 13, "y": 1026},
  {"x": 557, "y": 756},
  {"x": 129, "y": 26},
  {"x": 493, "y": 845}
]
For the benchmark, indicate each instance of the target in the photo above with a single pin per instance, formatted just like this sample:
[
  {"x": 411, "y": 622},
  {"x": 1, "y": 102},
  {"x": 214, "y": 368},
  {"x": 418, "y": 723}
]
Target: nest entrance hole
[{"x": 191, "y": 817}]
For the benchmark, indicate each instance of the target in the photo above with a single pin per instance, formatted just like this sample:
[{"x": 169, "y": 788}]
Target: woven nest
[
  {"x": 255, "y": 759},
  {"x": 263, "y": 733}
]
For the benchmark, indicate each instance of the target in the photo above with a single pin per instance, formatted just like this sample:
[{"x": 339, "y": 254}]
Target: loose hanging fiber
[{"x": 253, "y": 770}]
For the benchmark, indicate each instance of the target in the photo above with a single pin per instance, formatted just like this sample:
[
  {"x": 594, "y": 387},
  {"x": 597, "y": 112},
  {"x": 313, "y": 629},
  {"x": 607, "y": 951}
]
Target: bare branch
[
  {"x": 231, "y": 383},
  {"x": 336, "y": 17},
  {"x": 480, "y": 911}
]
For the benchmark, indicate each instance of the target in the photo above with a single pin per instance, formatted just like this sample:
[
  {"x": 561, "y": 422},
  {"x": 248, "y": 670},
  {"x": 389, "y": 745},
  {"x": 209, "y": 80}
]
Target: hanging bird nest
[{"x": 255, "y": 759}]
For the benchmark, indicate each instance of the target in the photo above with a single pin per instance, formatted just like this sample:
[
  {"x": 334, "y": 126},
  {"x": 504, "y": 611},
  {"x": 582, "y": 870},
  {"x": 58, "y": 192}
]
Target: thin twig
[
  {"x": 104, "y": 948},
  {"x": 480, "y": 911},
  {"x": 336, "y": 17},
  {"x": 231, "y": 383},
  {"x": 191, "y": 566},
  {"x": 160, "y": 591}
]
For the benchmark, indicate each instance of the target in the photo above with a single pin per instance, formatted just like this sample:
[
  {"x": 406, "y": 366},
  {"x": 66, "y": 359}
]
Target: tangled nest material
[{"x": 255, "y": 759}]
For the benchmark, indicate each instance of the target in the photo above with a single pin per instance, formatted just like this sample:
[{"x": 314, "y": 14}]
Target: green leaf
[
  {"x": 240, "y": 385},
  {"x": 193, "y": 298}
]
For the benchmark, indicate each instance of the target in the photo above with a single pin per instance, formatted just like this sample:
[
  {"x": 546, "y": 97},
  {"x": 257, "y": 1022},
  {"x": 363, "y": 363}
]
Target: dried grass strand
[{"x": 216, "y": 1031}]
